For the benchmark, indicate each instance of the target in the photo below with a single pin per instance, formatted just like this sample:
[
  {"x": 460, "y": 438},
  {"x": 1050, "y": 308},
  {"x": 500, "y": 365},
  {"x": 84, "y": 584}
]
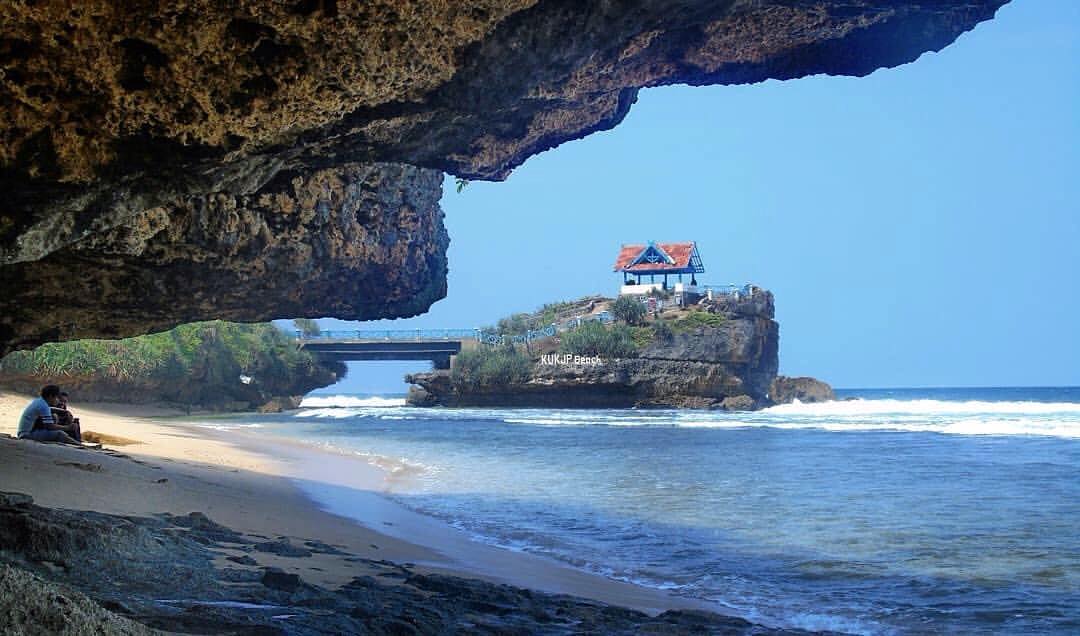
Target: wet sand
[{"x": 259, "y": 486}]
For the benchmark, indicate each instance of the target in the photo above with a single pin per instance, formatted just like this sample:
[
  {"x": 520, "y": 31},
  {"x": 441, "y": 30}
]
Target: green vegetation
[
  {"x": 662, "y": 330},
  {"x": 461, "y": 184},
  {"x": 595, "y": 339},
  {"x": 553, "y": 312},
  {"x": 519, "y": 323},
  {"x": 628, "y": 309},
  {"x": 217, "y": 349},
  {"x": 642, "y": 336},
  {"x": 490, "y": 367},
  {"x": 698, "y": 319},
  {"x": 515, "y": 324}
]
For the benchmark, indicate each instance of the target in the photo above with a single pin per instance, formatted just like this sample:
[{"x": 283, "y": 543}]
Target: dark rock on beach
[
  {"x": 242, "y": 559},
  {"x": 32, "y": 605},
  {"x": 277, "y": 579},
  {"x": 283, "y": 547},
  {"x": 129, "y": 565}
]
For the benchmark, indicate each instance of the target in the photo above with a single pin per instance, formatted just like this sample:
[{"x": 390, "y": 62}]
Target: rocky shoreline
[{"x": 133, "y": 575}]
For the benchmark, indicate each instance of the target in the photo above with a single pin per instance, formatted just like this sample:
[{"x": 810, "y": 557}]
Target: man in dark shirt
[{"x": 37, "y": 421}]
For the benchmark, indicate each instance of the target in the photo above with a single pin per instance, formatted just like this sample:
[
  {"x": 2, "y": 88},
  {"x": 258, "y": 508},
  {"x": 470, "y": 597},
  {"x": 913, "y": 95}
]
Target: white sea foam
[
  {"x": 921, "y": 407},
  {"x": 573, "y": 421},
  {"x": 1057, "y": 419},
  {"x": 349, "y": 401},
  {"x": 958, "y": 418},
  {"x": 227, "y": 426},
  {"x": 336, "y": 413}
]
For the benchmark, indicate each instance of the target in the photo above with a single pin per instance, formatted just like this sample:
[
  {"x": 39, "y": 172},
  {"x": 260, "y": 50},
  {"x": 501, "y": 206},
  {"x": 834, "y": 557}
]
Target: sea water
[{"x": 890, "y": 511}]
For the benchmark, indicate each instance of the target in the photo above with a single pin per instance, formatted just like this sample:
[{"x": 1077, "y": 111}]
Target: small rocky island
[{"x": 721, "y": 352}]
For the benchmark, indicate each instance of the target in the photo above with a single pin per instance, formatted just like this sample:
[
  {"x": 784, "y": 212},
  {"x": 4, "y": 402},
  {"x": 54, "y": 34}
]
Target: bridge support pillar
[{"x": 441, "y": 362}]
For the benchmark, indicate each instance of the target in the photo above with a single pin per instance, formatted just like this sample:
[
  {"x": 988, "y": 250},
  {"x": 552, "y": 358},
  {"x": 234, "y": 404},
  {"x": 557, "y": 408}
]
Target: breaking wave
[
  {"x": 970, "y": 417},
  {"x": 860, "y": 407},
  {"x": 349, "y": 401},
  {"x": 1055, "y": 419}
]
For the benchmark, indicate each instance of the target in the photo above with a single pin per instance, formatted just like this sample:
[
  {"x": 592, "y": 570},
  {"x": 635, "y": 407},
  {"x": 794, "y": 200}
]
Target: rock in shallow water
[
  {"x": 785, "y": 390},
  {"x": 729, "y": 365}
]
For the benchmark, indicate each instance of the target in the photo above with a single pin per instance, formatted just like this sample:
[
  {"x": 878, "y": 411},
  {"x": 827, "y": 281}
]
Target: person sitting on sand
[
  {"x": 65, "y": 419},
  {"x": 37, "y": 422}
]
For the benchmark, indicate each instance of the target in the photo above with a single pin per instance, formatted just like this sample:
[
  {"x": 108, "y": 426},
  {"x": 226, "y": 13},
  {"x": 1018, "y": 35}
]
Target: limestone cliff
[
  {"x": 164, "y": 162},
  {"x": 731, "y": 366},
  {"x": 356, "y": 241}
]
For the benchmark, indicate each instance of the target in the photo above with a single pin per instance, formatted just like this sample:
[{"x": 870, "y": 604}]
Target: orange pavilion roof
[{"x": 673, "y": 258}]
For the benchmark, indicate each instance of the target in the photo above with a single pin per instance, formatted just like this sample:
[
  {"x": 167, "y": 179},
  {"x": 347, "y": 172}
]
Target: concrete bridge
[{"x": 437, "y": 345}]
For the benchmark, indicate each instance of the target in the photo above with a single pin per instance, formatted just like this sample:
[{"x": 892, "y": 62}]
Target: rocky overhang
[{"x": 175, "y": 161}]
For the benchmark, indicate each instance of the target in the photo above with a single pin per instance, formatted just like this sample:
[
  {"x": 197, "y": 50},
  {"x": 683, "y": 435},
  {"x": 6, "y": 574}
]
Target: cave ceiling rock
[{"x": 115, "y": 114}]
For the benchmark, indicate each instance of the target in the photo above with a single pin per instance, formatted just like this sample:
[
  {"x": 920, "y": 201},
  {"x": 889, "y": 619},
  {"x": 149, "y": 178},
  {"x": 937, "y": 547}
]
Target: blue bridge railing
[
  {"x": 420, "y": 335},
  {"x": 490, "y": 337},
  {"x": 532, "y": 335},
  {"x": 730, "y": 290}
]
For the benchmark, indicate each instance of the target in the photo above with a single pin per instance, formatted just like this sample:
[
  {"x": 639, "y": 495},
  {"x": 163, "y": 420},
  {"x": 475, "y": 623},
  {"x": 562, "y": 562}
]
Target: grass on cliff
[
  {"x": 490, "y": 367},
  {"x": 169, "y": 355},
  {"x": 519, "y": 323},
  {"x": 697, "y": 319},
  {"x": 595, "y": 339},
  {"x": 633, "y": 331}
]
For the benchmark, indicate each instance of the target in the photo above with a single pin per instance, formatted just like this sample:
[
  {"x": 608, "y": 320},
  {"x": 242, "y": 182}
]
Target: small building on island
[{"x": 641, "y": 265}]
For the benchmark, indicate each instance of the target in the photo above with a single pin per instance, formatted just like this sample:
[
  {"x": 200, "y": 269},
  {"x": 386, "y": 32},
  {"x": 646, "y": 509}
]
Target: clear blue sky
[{"x": 919, "y": 226}]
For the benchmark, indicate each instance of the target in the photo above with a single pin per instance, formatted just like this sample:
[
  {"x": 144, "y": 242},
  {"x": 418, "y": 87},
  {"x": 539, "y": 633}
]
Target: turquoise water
[{"x": 898, "y": 511}]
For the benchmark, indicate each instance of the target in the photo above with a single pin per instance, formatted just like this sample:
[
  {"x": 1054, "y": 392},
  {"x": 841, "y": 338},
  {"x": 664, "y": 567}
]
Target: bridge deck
[{"x": 437, "y": 351}]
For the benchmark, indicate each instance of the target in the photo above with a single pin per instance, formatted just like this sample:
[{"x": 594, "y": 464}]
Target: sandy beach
[{"x": 255, "y": 485}]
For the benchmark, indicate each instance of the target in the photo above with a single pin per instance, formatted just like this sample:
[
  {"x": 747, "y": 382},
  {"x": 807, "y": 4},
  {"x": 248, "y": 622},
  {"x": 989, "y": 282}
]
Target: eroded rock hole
[{"x": 137, "y": 56}]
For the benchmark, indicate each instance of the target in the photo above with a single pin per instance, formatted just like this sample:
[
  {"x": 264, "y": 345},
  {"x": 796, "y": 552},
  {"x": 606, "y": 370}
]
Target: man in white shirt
[{"x": 37, "y": 422}]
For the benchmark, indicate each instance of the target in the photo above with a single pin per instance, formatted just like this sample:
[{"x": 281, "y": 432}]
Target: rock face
[
  {"x": 785, "y": 390},
  {"x": 730, "y": 367},
  {"x": 188, "y": 160},
  {"x": 358, "y": 241},
  {"x": 54, "y": 609}
]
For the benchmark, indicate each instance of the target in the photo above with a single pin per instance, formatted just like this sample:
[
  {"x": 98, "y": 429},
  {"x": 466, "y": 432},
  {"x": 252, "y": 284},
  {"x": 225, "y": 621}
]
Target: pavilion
[{"x": 657, "y": 259}]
